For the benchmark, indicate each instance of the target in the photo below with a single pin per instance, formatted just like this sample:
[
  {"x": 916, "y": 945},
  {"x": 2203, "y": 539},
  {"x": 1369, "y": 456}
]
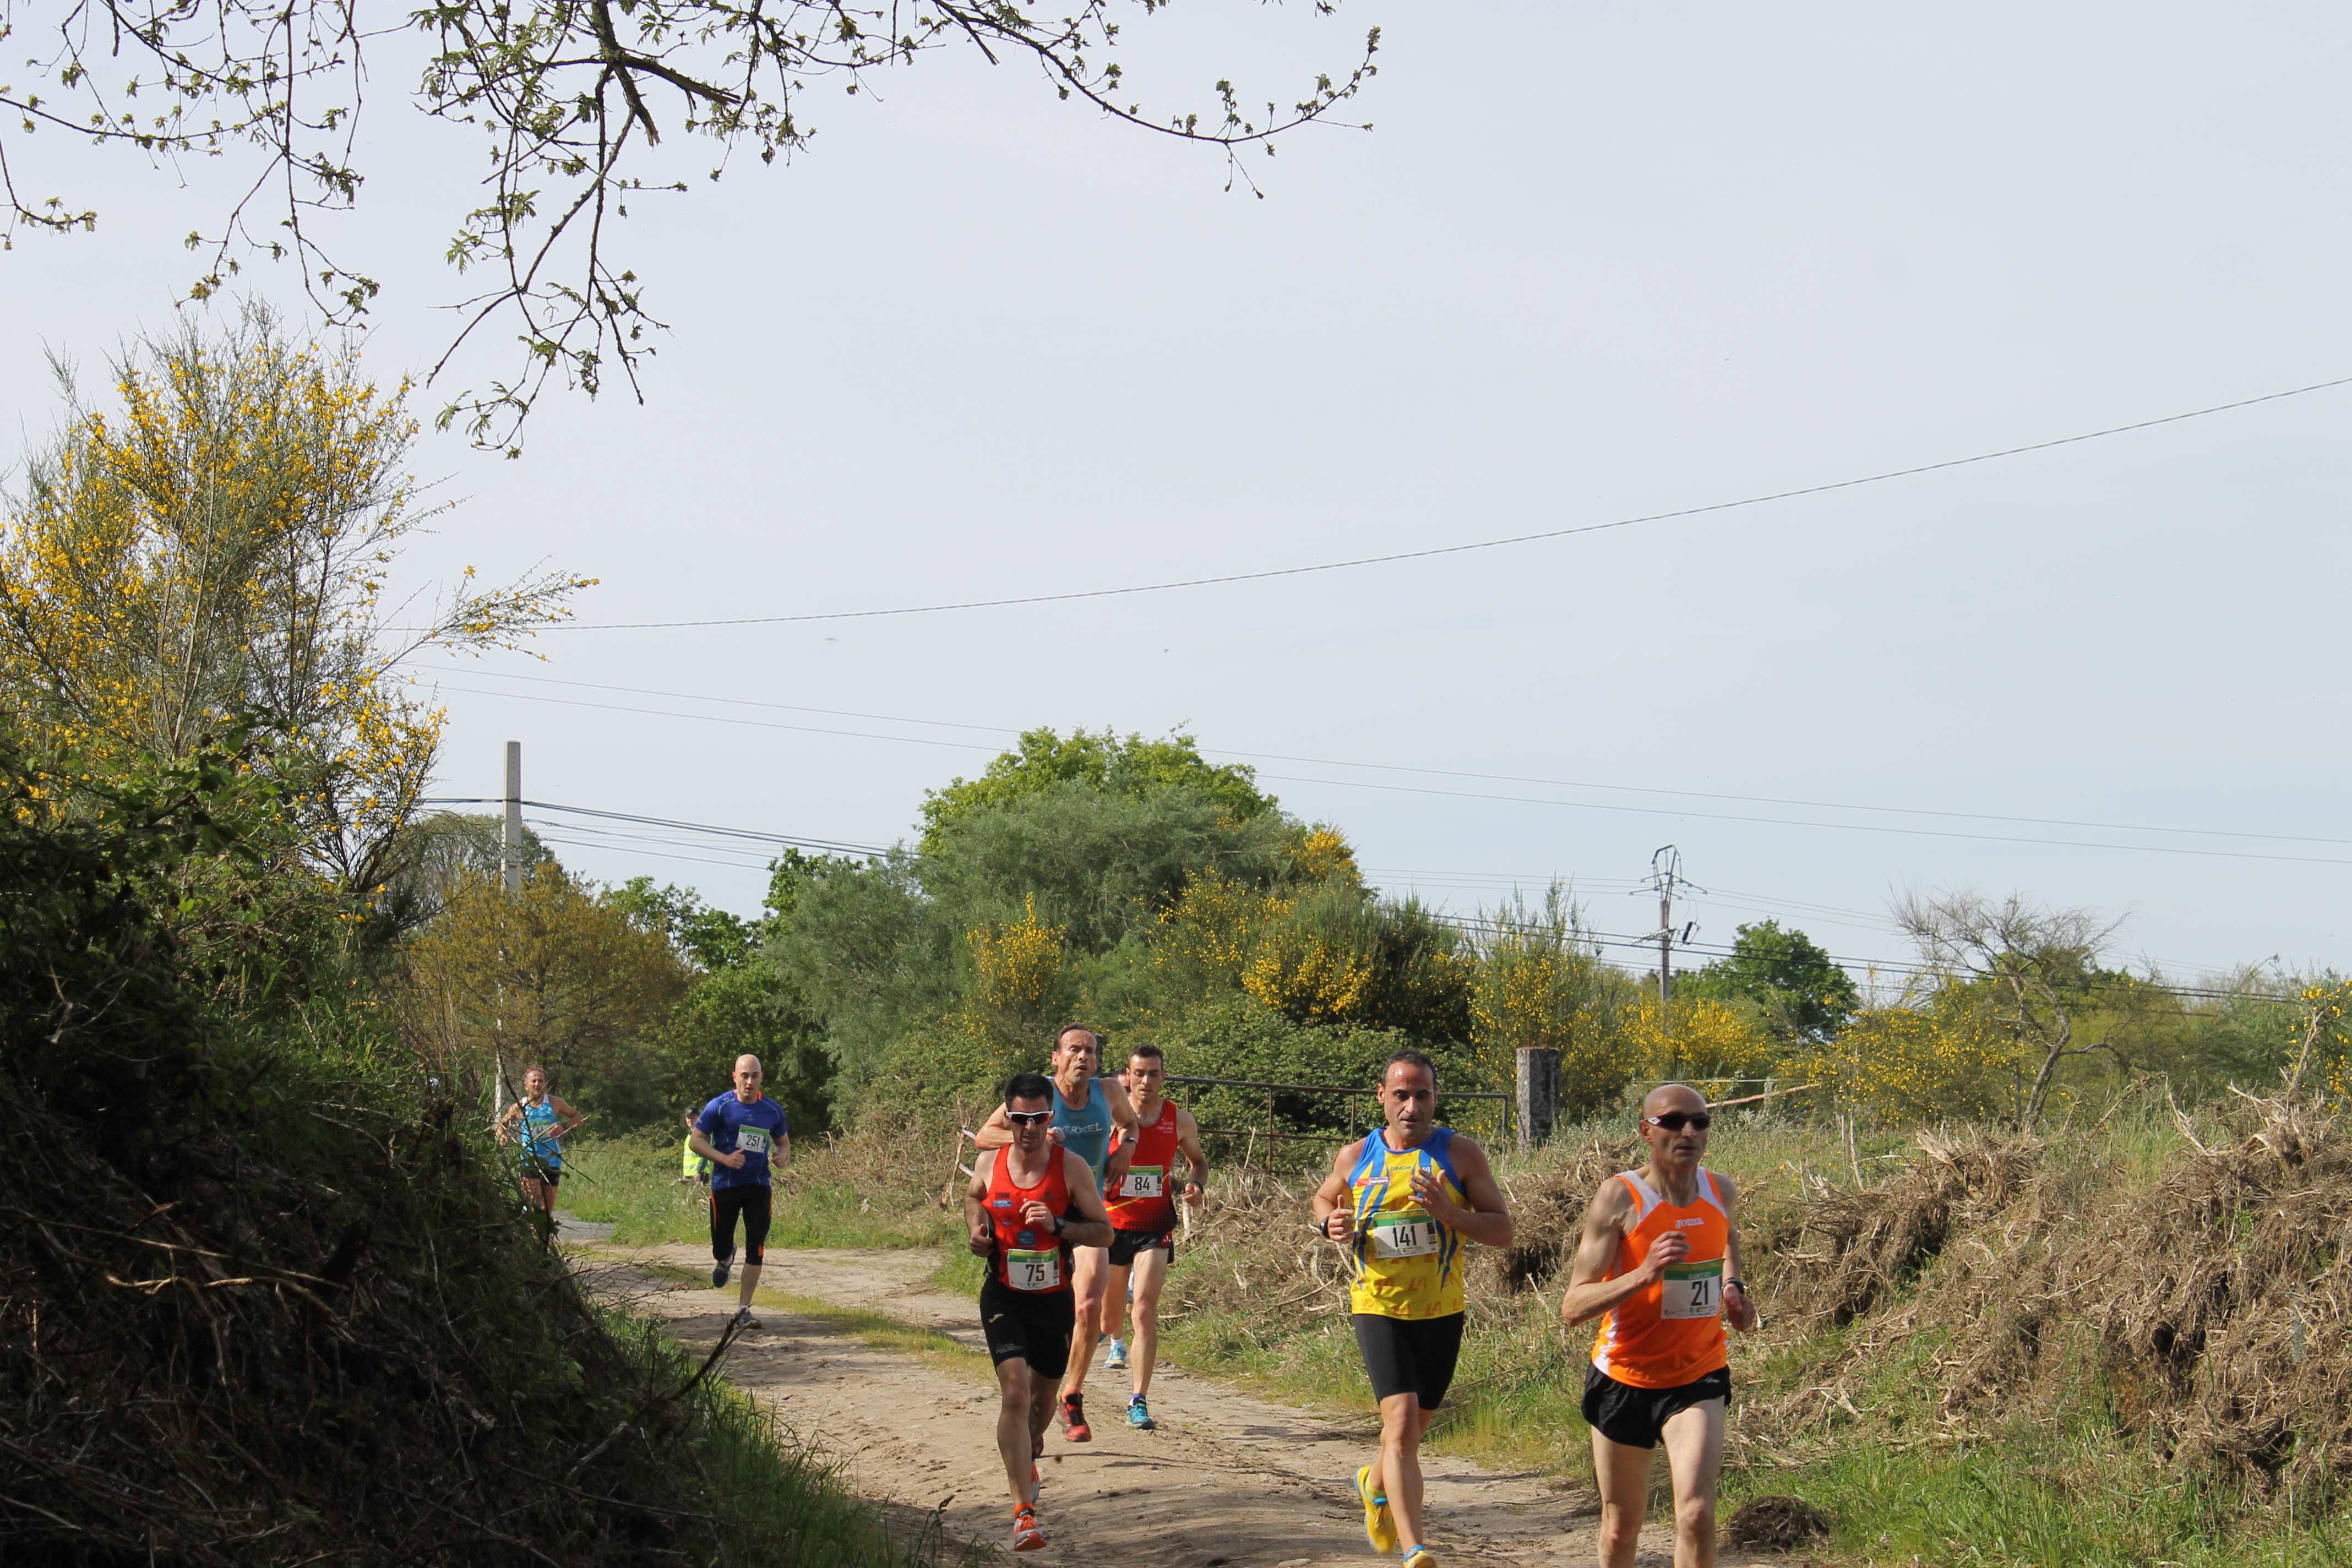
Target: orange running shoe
[{"x": 1026, "y": 1536}]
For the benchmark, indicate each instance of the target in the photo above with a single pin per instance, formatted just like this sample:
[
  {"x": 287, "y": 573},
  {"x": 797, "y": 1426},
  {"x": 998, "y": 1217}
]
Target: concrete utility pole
[
  {"x": 510, "y": 833},
  {"x": 1665, "y": 870}
]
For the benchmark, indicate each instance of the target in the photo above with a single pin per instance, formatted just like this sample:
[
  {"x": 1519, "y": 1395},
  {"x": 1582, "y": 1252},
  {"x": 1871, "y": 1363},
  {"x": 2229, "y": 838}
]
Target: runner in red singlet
[
  {"x": 1143, "y": 1215},
  {"x": 1030, "y": 1201},
  {"x": 1659, "y": 1264}
]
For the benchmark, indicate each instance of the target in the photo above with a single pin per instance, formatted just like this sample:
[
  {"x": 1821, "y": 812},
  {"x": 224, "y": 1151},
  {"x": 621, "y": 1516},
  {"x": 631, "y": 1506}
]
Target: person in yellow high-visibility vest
[{"x": 691, "y": 1166}]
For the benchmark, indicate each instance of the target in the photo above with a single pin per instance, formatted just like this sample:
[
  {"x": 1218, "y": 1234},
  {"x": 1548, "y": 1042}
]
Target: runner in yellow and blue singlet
[{"x": 1403, "y": 1199}]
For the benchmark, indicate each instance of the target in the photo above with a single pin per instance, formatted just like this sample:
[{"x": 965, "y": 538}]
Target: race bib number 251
[{"x": 751, "y": 1140}]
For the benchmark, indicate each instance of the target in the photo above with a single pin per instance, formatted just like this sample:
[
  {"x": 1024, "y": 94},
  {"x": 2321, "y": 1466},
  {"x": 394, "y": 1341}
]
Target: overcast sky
[{"x": 1594, "y": 262}]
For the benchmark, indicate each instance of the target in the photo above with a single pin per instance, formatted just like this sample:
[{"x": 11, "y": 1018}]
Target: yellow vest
[{"x": 1403, "y": 1262}]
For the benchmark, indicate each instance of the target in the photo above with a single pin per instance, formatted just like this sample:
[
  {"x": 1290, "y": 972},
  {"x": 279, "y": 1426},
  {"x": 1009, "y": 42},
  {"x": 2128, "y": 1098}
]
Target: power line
[
  {"x": 1453, "y": 549},
  {"x": 1453, "y": 773}
]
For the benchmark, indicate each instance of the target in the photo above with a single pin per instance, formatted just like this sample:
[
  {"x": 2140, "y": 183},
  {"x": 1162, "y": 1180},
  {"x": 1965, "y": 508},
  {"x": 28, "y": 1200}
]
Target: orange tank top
[
  {"x": 1144, "y": 1200},
  {"x": 1670, "y": 1333},
  {"x": 1029, "y": 1257}
]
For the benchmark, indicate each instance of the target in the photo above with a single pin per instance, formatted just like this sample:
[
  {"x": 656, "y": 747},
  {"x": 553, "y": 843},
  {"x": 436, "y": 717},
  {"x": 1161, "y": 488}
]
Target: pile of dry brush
[{"x": 2207, "y": 1307}]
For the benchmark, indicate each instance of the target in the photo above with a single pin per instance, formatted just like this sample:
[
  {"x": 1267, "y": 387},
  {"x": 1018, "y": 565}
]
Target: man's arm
[
  {"x": 980, "y": 1234},
  {"x": 1093, "y": 1227},
  {"x": 1739, "y": 1310},
  {"x": 995, "y": 1132},
  {"x": 568, "y": 1120},
  {"x": 1488, "y": 1220},
  {"x": 1188, "y": 1139},
  {"x": 1122, "y": 1118},
  {"x": 1333, "y": 1205},
  {"x": 1590, "y": 1291},
  {"x": 780, "y": 1151},
  {"x": 507, "y": 1119},
  {"x": 701, "y": 1145}
]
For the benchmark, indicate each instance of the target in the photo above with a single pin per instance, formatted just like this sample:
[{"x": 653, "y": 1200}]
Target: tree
[
  {"x": 550, "y": 974},
  {"x": 1799, "y": 987},
  {"x": 1101, "y": 762},
  {"x": 2031, "y": 968},
  {"x": 871, "y": 954},
  {"x": 217, "y": 550},
  {"x": 1538, "y": 983},
  {"x": 573, "y": 99},
  {"x": 712, "y": 939}
]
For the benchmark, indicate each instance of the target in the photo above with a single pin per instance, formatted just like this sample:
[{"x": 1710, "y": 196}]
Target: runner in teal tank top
[
  {"x": 537, "y": 1122},
  {"x": 1082, "y": 1119}
]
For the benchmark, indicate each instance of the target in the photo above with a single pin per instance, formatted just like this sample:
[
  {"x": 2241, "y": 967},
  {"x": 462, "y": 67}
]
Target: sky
[{"x": 1592, "y": 263}]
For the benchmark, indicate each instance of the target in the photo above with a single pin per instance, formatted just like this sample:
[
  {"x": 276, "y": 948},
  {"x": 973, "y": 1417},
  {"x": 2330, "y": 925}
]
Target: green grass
[{"x": 822, "y": 1201}]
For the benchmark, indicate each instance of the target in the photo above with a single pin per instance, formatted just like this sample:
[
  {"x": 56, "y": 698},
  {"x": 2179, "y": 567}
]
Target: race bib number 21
[{"x": 1693, "y": 1289}]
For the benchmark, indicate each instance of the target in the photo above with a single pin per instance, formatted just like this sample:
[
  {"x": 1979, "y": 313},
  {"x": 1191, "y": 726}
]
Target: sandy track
[{"x": 1228, "y": 1478}]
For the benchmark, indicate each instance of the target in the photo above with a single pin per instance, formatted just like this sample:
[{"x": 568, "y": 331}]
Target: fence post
[{"x": 1538, "y": 1095}]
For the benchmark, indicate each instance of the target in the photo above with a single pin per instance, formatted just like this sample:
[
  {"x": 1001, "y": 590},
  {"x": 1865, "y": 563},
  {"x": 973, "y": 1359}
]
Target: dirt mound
[{"x": 1775, "y": 1523}]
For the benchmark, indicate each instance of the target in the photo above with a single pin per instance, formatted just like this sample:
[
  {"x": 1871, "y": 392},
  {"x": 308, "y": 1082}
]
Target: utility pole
[
  {"x": 510, "y": 833},
  {"x": 1665, "y": 876}
]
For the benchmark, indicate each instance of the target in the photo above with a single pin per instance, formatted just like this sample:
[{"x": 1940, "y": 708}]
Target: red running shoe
[
  {"x": 1074, "y": 1420},
  {"x": 1026, "y": 1536}
]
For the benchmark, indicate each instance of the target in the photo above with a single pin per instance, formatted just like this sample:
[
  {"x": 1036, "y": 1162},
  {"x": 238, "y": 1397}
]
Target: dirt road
[{"x": 1228, "y": 1478}]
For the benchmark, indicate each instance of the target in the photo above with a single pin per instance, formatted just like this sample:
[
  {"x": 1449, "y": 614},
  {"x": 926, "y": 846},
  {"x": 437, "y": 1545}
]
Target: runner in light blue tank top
[
  {"x": 1086, "y": 1133},
  {"x": 537, "y": 1122}
]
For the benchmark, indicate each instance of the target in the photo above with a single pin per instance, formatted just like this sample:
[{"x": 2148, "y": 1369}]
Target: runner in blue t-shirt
[{"x": 744, "y": 1136}]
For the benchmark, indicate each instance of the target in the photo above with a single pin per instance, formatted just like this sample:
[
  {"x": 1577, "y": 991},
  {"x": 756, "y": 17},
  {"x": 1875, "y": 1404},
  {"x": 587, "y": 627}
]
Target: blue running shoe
[{"x": 1140, "y": 1417}]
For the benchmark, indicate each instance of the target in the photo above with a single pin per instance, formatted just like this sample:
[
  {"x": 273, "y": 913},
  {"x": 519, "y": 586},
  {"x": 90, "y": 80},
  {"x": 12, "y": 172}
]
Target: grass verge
[{"x": 857, "y": 1191}]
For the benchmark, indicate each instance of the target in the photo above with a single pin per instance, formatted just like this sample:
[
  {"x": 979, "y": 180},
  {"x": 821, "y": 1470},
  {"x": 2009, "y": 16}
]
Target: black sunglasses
[
  {"x": 1028, "y": 1118},
  {"x": 1675, "y": 1120}
]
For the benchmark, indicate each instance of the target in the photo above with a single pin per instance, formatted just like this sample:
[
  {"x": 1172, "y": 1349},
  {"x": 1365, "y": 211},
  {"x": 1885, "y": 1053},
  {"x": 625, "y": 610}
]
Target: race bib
[
  {"x": 1144, "y": 1181},
  {"x": 751, "y": 1140},
  {"x": 1034, "y": 1270},
  {"x": 1693, "y": 1289},
  {"x": 1403, "y": 1236}
]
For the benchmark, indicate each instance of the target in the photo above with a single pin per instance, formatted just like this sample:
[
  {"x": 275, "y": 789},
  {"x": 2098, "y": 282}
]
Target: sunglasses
[
  {"x": 1028, "y": 1118},
  {"x": 1675, "y": 1120}
]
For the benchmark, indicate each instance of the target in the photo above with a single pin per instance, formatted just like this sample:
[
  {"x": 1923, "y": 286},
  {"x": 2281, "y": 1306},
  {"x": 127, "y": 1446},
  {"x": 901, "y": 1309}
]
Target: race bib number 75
[
  {"x": 1027, "y": 1270},
  {"x": 1693, "y": 1289}
]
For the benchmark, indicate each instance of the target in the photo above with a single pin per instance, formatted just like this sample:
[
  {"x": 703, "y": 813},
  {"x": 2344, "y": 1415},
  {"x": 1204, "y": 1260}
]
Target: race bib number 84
[
  {"x": 1144, "y": 1181},
  {"x": 1034, "y": 1270},
  {"x": 1693, "y": 1289},
  {"x": 1404, "y": 1236}
]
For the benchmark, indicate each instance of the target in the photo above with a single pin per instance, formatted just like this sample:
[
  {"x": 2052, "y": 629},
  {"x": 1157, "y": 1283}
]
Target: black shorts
[
  {"x": 1033, "y": 1326},
  {"x": 750, "y": 1203},
  {"x": 547, "y": 1175},
  {"x": 1410, "y": 1355},
  {"x": 1635, "y": 1417},
  {"x": 1126, "y": 1244}
]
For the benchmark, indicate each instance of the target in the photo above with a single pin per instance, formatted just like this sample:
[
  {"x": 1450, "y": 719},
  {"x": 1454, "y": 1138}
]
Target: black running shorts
[
  {"x": 1635, "y": 1417},
  {"x": 1126, "y": 1244},
  {"x": 1410, "y": 1355},
  {"x": 1033, "y": 1326},
  {"x": 750, "y": 1203}
]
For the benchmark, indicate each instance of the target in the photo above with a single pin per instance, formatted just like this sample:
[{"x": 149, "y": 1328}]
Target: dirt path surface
[{"x": 1228, "y": 1478}]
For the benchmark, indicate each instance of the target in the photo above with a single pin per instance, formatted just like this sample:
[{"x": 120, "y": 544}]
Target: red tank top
[
  {"x": 1146, "y": 1200},
  {"x": 1028, "y": 1257}
]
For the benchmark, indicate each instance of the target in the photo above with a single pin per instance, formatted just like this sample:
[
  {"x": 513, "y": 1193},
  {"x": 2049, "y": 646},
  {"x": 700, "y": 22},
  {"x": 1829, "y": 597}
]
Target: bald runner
[{"x": 742, "y": 1134}]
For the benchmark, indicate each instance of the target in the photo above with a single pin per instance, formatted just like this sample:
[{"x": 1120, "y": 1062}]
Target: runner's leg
[
  {"x": 1403, "y": 1421},
  {"x": 757, "y": 1211},
  {"x": 1623, "y": 1473},
  {"x": 1016, "y": 1417},
  {"x": 1088, "y": 1275},
  {"x": 1151, "y": 1274},
  {"x": 1694, "y": 1452},
  {"x": 1114, "y": 1295}
]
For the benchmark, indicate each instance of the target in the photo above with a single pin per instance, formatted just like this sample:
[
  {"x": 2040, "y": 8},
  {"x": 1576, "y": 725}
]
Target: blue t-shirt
[{"x": 731, "y": 1125}]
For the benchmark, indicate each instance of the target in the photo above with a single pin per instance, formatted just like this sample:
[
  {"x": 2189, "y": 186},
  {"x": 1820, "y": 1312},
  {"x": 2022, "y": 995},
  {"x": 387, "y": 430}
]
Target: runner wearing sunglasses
[
  {"x": 1402, "y": 1200},
  {"x": 1659, "y": 1264},
  {"x": 1030, "y": 1202}
]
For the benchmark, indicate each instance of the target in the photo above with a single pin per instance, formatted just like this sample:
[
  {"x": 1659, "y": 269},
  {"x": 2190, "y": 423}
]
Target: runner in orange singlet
[
  {"x": 1029, "y": 1203},
  {"x": 1659, "y": 1265}
]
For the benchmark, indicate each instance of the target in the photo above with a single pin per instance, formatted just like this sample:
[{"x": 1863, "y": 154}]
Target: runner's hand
[
  {"x": 1429, "y": 1187},
  {"x": 1738, "y": 1310},
  {"x": 1338, "y": 1223},
  {"x": 734, "y": 1162},
  {"x": 1053, "y": 1135},
  {"x": 1666, "y": 1251},
  {"x": 982, "y": 1239},
  {"x": 1037, "y": 1215},
  {"x": 1192, "y": 1192}
]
